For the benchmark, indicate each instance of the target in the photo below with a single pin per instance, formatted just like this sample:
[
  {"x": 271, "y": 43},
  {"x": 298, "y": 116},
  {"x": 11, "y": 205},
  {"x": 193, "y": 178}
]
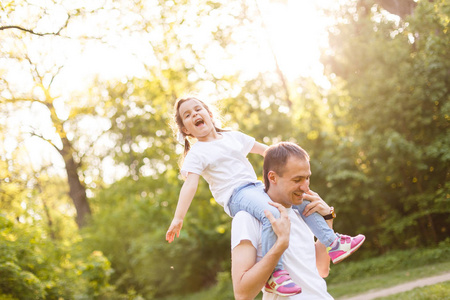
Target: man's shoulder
[
  {"x": 243, "y": 218},
  {"x": 245, "y": 227}
]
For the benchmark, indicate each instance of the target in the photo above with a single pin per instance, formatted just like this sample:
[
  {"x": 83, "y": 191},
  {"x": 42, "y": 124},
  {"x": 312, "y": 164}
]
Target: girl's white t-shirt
[
  {"x": 299, "y": 259},
  {"x": 222, "y": 163}
]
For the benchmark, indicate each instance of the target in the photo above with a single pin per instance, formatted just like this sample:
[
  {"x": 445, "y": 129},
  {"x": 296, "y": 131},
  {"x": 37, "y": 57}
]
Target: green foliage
[
  {"x": 141, "y": 258},
  {"x": 395, "y": 119},
  {"x": 32, "y": 266}
]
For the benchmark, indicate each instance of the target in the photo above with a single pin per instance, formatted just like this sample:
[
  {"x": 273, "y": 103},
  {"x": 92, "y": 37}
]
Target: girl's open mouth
[{"x": 199, "y": 122}]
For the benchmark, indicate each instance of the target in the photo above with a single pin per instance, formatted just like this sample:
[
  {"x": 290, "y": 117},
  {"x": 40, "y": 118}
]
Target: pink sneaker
[
  {"x": 344, "y": 246},
  {"x": 281, "y": 283}
]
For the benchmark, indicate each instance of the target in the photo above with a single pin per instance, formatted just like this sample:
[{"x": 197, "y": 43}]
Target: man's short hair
[{"x": 276, "y": 157}]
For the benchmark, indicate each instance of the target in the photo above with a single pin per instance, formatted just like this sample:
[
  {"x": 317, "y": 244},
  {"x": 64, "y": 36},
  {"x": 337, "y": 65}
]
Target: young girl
[{"x": 221, "y": 158}]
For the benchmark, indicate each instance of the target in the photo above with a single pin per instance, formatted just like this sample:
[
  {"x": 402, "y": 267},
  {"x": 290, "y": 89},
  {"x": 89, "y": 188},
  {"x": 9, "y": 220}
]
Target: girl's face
[{"x": 197, "y": 120}]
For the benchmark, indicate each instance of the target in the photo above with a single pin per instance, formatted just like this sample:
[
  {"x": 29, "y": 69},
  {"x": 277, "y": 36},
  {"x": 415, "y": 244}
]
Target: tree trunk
[
  {"x": 77, "y": 190},
  {"x": 401, "y": 8}
]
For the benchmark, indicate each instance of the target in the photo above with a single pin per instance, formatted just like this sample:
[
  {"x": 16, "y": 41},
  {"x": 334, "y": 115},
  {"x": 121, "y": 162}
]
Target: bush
[{"x": 33, "y": 266}]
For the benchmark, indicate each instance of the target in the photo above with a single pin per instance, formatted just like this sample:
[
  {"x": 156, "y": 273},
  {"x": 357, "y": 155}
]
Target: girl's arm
[
  {"x": 259, "y": 148},
  {"x": 187, "y": 193}
]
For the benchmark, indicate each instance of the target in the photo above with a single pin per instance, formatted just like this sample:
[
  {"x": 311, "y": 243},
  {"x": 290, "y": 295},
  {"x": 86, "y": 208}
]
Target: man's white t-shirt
[
  {"x": 222, "y": 163},
  {"x": 299, "y": 259}
]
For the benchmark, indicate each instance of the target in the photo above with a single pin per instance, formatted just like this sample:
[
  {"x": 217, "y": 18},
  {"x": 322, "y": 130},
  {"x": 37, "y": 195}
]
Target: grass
[
  {"x": 376, "y": 282},
  {"x": 433, "y": 292},
  {"x": 350, "y": 278}
]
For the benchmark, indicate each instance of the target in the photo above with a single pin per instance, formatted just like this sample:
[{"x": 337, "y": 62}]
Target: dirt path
[{"x": 401, "y": 288}]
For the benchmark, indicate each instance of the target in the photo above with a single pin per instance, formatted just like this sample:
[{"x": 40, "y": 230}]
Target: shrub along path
[{"x": 401, "y": 287}]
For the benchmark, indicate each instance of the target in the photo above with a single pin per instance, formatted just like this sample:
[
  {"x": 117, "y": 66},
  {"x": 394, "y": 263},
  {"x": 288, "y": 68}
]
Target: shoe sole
[
  {"x": 344, "y": 256},
  {"x": 280, "y": 294}
]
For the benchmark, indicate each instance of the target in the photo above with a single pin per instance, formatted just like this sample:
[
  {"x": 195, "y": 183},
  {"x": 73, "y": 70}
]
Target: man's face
[{"x": 288, "y": 189}]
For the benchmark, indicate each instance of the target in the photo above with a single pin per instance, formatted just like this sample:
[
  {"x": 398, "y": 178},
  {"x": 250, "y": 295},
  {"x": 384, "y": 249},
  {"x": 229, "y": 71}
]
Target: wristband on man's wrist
[{"x": 331, "y": 215}]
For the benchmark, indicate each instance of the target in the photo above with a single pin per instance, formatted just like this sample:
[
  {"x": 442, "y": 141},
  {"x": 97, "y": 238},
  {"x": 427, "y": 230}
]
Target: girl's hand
[
  {"x": 175, "y": 228},
  {"x": 316, "y": 205}
]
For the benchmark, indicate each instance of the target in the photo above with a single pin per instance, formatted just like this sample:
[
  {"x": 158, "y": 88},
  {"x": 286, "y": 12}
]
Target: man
[{"x": 286, "y": 178}]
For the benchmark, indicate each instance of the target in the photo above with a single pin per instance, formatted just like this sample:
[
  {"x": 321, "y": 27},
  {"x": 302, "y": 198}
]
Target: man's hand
[
  {"x": 282, "y": 225},
  {"x": 174, "y": 229},
  {"x": 316, "y": 205}
]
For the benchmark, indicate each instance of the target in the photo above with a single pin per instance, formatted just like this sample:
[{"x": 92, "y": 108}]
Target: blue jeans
[
  {"x": 253, "y": 199},
  {"x": 317, "y": 224}
]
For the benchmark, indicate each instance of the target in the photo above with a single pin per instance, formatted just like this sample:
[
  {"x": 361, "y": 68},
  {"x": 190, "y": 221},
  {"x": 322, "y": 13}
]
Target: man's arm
[
  {"x": 321, "y": 207},
  {"x": 248, "y": 276},
  {"x": 322, "y": 257}
]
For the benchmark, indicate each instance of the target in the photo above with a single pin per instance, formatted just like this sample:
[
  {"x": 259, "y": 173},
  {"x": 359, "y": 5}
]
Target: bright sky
[{"x": 295, "y": 31}]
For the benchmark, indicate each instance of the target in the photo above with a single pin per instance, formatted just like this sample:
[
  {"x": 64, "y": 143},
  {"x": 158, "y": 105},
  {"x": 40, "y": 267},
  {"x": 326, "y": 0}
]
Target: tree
[
  {"x": 39, "y": 258},
  {"x": 395, "y": 101},
  {"x": 40, "y": 79},
  {"x": 41, "y": 94}
]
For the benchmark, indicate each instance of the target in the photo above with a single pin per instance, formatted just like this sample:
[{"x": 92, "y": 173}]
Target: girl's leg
[
  {"x": 339, "y": 246},
  {"x": 318, "y": 225},
  {"x": 252, "y": 199}
]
